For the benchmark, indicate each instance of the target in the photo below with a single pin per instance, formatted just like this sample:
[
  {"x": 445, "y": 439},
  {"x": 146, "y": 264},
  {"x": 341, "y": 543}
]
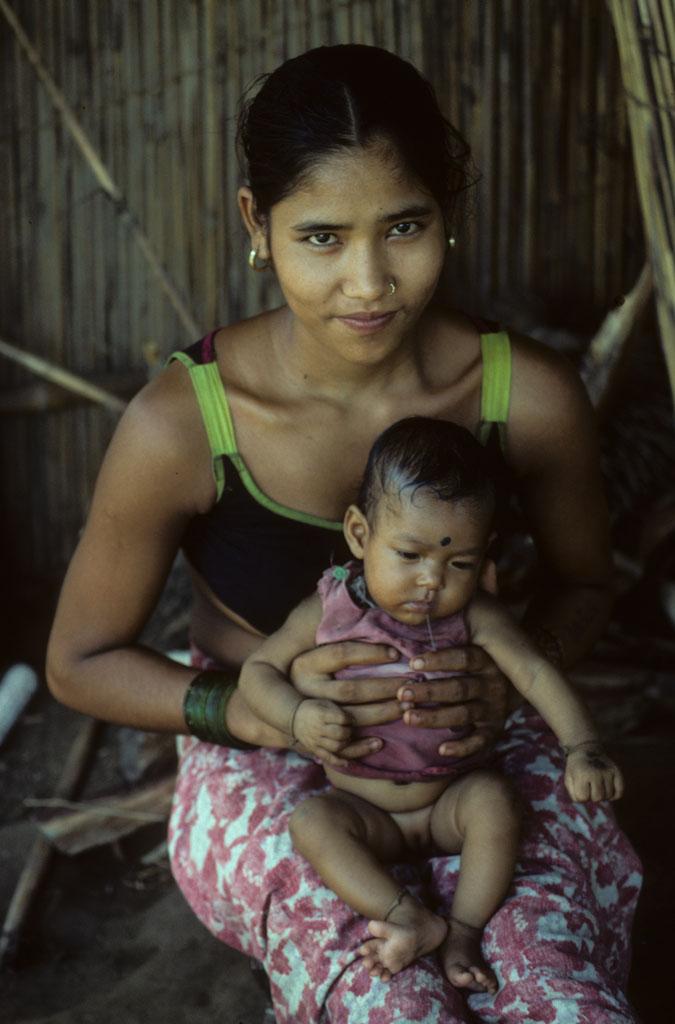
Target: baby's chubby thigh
[
  {"x": 391, "y": 820},
  {"x": 481, "y": 801}
]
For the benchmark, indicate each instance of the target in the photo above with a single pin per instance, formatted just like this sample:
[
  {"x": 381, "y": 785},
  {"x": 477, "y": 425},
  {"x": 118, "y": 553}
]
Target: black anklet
[{"x": 396, "y": 903}]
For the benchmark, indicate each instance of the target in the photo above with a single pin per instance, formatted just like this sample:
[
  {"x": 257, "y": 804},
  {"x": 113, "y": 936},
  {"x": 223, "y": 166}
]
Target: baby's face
[{"x": 424, "y": 557}]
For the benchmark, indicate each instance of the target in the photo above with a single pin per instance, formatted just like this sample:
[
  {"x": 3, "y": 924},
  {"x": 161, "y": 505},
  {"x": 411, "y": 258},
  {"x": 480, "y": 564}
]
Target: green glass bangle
[{"x": 205, "y": 709}]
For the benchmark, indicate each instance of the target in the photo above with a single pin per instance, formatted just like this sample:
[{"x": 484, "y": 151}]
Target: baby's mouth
[{"x": 423, "y": 607}]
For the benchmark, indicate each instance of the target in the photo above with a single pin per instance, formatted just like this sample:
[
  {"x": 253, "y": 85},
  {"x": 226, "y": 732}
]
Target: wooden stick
[
  {"x": 606, "y": 347},
  {"x": 92, "y": 810},
  {"x": 57, "y": 375},
  {"x": 81, "y": 826},
  {"x": 39, "y": 856},
  {"x": 100, "y": 171},
  {"x": 647, "y": 78},
  {"x": 43, "y": 396}
]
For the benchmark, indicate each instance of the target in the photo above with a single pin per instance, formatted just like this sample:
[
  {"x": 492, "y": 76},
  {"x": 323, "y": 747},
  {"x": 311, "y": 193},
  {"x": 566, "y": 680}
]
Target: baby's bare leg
[
  {"x": 480, "y": 815},
  {"x": 345, "y": 839}
]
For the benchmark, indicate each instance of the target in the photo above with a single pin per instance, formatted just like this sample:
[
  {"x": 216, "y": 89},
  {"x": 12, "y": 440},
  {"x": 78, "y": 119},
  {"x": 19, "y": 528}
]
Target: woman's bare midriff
[{"x": 389, "y": 795}]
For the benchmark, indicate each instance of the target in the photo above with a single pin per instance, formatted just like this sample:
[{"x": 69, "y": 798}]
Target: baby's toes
[
  {"x": 460, "y": 974},
  {"x": 485, "y": 978},
  {"x": 370, "y": 954}
]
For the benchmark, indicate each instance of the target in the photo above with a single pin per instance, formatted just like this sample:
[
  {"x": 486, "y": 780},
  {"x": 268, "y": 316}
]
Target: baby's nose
[{"x": 431, "y": 578}]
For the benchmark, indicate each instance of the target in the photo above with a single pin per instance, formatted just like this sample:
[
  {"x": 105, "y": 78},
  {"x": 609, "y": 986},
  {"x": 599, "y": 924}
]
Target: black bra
[{"x": 261, "y": 558}]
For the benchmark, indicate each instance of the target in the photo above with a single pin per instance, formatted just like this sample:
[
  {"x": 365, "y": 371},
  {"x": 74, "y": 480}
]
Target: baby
[{"x": 419, "y": 531}]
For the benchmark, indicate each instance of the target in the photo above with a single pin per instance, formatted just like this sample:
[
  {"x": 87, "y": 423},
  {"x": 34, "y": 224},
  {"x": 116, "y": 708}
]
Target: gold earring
[
  {"x": 254, "y": 264},
  {"x": 392, "y": 286},
  {"x": 452, "y": 241}
]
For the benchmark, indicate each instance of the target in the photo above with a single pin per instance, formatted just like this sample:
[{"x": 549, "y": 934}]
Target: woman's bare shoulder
[
  {"x": 549, "y": 403},
  {"x": 544, "y": 383},
  {"x": 162, "y": 434}
]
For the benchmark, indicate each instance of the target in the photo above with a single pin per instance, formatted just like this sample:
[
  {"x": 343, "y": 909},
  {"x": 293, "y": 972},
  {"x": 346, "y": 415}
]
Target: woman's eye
[
  {"x": 408, "y": 556},
  {"x": 405, "y": 228},
  {"x": 322, "y": 239}
]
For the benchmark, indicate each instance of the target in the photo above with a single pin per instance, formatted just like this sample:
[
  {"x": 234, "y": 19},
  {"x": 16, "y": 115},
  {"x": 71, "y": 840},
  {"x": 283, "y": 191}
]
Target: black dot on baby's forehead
[{"x": 445, "y": 541}]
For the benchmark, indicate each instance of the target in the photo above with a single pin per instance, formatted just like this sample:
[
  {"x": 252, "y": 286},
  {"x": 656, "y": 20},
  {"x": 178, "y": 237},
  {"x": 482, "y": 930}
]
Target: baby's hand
[
  {"x": 591, "y": 775},
  {"x": 322, "y": 728}
]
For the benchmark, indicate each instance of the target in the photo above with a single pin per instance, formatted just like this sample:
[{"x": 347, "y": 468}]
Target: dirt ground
[{"x": 110, "y": 938}]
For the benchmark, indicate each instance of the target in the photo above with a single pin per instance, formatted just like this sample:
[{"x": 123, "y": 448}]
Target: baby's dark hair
[{"x": 421, "y": 454}]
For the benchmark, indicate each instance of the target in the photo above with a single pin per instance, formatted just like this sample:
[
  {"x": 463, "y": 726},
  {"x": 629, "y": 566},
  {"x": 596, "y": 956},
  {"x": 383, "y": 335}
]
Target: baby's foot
[
  {"x": 462, "y": 961},
  {"x": 411, "y": 932}
]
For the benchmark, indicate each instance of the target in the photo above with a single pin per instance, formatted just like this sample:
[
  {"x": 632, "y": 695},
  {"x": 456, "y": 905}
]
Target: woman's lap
[{"x": 559, "y": 943}]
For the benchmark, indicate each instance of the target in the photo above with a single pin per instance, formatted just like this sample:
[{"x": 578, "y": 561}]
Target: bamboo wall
[{"x": 534, "y": 84}]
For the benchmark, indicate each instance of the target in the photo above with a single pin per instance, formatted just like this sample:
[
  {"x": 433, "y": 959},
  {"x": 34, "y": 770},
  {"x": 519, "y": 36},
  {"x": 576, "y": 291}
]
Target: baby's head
[{"x": 423, "y": 519}]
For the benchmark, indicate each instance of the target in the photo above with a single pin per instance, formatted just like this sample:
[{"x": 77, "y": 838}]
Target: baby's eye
[
  {"x": 405, "y": 228},
  {"x": 322, "y": 239},
  {"x": 407, "y": 556},
  {"x": 464, "y": 565}
]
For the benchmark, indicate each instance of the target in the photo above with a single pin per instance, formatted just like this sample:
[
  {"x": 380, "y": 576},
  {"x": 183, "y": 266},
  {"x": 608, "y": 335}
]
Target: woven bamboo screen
[{"x": 534, "y": 85}]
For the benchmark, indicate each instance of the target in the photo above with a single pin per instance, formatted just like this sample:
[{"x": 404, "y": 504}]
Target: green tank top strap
[
  {"x": 496, "y": 387},
  {"x": 215, "y": 410},
  {"x": 214, "y": 406}
]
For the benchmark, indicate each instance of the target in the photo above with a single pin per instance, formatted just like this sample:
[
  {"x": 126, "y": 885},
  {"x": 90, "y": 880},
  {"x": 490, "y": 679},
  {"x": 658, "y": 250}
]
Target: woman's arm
[
  {"x": 149, "y": 486},
  {"x": 155, "y": 477},
  {"x": 589, "y": 774},
  {"x": 553, "y": 447}
]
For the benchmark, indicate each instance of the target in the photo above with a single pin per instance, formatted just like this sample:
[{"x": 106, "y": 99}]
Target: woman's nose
[{"x": 366, "y": 276}]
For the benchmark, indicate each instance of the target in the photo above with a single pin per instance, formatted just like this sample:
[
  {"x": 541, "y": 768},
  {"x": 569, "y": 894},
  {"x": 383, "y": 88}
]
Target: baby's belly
[{"x": 388, "y": 795}]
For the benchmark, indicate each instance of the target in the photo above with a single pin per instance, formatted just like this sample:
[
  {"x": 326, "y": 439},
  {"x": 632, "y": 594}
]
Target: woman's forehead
[{"x": 342, "y": 181}]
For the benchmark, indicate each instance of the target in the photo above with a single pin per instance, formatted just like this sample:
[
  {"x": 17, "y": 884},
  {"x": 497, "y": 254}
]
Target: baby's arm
[
  {"x": 589, "y": 773},
  {"x": 319, "y": 726}
]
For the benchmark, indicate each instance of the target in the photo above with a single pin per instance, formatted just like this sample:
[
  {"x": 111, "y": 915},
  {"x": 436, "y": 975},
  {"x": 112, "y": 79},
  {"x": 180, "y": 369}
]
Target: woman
[{"x": 353, "y": 177}]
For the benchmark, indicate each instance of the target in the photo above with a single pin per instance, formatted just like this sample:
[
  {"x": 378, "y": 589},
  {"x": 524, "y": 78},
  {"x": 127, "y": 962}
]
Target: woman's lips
[{"x": 367, "y": 323}]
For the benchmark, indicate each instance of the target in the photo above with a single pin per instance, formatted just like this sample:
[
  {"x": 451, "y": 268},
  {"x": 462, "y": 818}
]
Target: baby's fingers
[
  {"x": 361, "y": 747},
  {"x": 597, "y": 786},
  {"x": 339, "y": 734},
  {"x": 578, "y": 786},
  {"x": 605, "y": 784},
  {"x": 334, "y": 739},
  {"x": 614, "y": 785},
  {"x": 328, "y": 757}
]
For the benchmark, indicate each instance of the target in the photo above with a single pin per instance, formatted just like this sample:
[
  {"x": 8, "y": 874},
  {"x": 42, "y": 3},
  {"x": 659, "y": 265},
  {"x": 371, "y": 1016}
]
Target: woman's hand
[
  {"x": 368, "y": 701},
  {"x": 478, "y": 697}
]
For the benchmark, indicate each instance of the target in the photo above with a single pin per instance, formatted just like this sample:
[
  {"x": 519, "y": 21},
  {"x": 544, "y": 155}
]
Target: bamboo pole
[
  {"x": 606, "y": 347},
  {"x": 645, "y": 33},
  {"x": 40, "y": 854},
  {"x": 64, "y": 378},
  {"x": 101, "y": 172}
]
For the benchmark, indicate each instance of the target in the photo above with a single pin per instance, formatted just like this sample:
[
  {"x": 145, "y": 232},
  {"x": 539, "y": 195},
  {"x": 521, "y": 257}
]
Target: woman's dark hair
[
  {"x": 338, "y": 97},
  {"x": 421, "y": 454}
]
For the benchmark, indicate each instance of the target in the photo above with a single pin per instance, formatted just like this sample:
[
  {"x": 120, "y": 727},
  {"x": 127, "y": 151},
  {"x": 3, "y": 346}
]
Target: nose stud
[{"x": 392, "y": 286}]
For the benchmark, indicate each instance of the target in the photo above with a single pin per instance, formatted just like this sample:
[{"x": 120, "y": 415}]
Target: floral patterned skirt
[{"x": 559, "y": 944}]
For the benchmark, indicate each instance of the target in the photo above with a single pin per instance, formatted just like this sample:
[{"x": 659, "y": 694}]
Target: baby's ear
[
  {"x": 488, "y": 577},
  {"x": 356, "y": 530}
]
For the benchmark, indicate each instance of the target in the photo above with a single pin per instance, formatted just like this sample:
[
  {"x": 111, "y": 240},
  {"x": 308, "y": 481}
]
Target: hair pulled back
[
  {"x": 337, "y": 97},
  {"x": 432, "y": 456}
]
